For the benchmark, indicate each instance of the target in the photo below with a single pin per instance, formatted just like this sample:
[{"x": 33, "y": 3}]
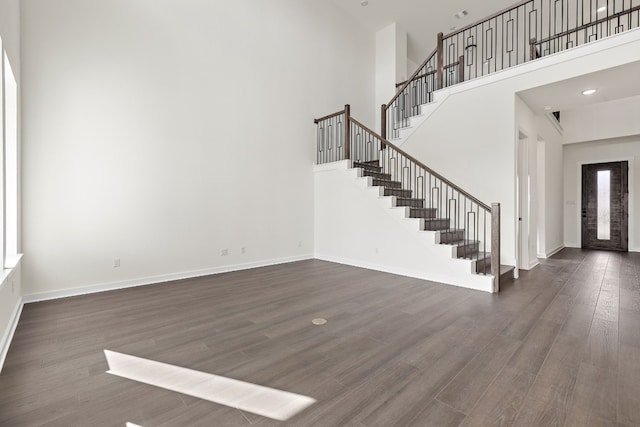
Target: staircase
[
  {"x": 467, "y": 227},
  {"x": 462, "y": 248},
  {"x": 454, "y": 219}
]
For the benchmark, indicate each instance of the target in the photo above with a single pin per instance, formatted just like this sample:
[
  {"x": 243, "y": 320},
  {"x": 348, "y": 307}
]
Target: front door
[{"x": 605, "y": 206}]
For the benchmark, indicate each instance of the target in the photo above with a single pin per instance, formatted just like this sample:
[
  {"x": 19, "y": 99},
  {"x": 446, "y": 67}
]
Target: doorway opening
[{"x": 605, "y": 206}]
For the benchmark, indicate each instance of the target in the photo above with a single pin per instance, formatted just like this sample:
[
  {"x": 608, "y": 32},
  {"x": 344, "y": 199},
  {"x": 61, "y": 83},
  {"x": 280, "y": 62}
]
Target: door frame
[
  {"x": 522, "y": 159},
  {"x": 526, "y": 246},
  {"x": 632, "y": 244}
]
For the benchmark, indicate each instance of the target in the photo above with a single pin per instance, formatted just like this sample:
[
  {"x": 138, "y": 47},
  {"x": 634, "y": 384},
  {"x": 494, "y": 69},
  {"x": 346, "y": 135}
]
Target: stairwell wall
[
  {"x": 159, "y": 133},
  {"x": 470, "y": 137}
]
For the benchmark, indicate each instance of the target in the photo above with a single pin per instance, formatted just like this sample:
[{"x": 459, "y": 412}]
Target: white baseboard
[
  {"x": 479, "y": 284},
  {"x": 104, "y": 287},
  {"x": 551, "y": 253},
  {"x": 11, "y": 329}
]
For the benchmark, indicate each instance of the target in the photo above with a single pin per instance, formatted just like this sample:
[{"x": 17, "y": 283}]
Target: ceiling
[
  {"x": 421, "y": 19},
  {"x": 613, "y": 83},
  {"x": 424, "y": 19}
]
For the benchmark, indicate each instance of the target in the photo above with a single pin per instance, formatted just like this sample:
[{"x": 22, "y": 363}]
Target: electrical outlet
[
  {"x": 224, "y": 252},
  {"x": 243, "y": 250},
  {"x": 377, "y": 251},
  {"x": 300, "y": 244},
  {"x": 116, "y": 262}
]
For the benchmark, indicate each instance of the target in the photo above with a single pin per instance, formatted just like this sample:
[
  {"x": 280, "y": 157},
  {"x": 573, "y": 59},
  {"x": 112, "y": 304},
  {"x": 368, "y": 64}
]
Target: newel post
[
  {"x": 347, "y": 132},
  {"x": 440, "y": 61},
  {"x": 495, "y": 245},
  {"x": 534, "y": 50}
]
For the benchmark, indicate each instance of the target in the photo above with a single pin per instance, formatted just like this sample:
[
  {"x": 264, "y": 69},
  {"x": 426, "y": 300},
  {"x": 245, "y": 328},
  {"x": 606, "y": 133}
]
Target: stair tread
[
  {"x": 395, "y": 191},
  {"x": 425, "y": 209},
  {"x": 377, "y": 182},
  {"x": 452, "y": 231},
  {"x": 379, "y": 175},
  {"x": 477, "y": 256},
  {"x": 462, "y": 242}
]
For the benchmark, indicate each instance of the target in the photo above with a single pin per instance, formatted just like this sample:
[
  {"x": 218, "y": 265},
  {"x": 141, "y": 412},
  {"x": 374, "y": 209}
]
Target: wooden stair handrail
[
  {"x": 453, "y": 64},
  {"x": 413, "y": 77},
  {"x": 585, "y": 26},
  {"x": 423, "y": 166},
  {"x": 330, "y": 116}
]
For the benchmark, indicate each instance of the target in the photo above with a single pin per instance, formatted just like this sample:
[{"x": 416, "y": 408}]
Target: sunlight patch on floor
[{"x": 268, "y": 402}]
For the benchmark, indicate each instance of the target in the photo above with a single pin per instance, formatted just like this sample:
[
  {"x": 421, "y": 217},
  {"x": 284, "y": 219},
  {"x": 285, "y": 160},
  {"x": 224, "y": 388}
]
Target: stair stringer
[{"x": 355, "y": 225}]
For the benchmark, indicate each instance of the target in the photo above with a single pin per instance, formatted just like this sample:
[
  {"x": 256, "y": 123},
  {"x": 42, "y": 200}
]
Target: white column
[{"x": 391, "y": 64}]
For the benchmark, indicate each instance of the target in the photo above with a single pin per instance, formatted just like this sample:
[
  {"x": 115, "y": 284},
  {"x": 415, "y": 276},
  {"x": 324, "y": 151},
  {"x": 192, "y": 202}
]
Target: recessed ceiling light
[
  {"x": 548, "y": 108},
  {"x": 461, "y": 14},
  {"x": 364, "y": 2},
  {"x": 589, "y": 91},
  {"x": 601, "y": 9}
]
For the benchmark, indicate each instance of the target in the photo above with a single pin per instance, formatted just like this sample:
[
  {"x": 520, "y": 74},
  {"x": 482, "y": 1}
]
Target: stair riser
[
  {"x": 373, "y": 166},
  {"x": 451, "y": 237},
  {"x": 467, "y": 250},
  {"x": 436, "y": 224},
  {"x": 388, "y": 184},
  {"x": 424, "y": 213},
  {"x": 398, "y": 192},
  {"x": 377, "y": 175},
  {"x": 413, "y": 203},
  {"x": 480, "y": 266}
]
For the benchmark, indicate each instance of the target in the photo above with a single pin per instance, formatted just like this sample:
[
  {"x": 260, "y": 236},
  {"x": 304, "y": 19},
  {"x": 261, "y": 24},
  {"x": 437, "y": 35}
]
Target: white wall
[
  {"x": 391, "y": 64},
  {"x": 526, "y": 126},
  {"x": 411, "y": 67},
  {"x": 355, "y": 226},
  {"x": 546, "y": 174},
  {"x": 575, "y": 155},
  {"x": 613, "y": 119},
  {"x": 478, "y": 118},
  {"x": 551, "y": 215},
  {"x": 160, "y": 132},
  {"x": 10, "y": 32},
  {"x": 10, "y": 287}
]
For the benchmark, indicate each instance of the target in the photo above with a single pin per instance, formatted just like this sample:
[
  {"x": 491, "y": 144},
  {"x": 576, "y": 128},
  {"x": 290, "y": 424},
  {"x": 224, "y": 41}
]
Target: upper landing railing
[{"x": 521, "y": 33}]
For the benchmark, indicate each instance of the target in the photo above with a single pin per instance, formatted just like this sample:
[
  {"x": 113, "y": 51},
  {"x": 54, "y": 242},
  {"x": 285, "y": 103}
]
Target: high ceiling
[{"x": 422, "y": 19}]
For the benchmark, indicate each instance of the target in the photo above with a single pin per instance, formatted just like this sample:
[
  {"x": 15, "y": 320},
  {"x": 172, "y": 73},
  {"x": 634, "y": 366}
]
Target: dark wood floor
[{"x": 560, "y": 346}]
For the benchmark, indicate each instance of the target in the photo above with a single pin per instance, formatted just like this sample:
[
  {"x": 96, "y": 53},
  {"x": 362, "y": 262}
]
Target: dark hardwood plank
[
  {"x": 628, "y": 394},
  {"x": 502, "y": 401},
  {"x": 559, "y": 346},
  {"x": 437, "y": 414},
  {"x": 470, "y": 384},
  {"x": 596, "y": 392},
  {"x": 602, "y": 345}
]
